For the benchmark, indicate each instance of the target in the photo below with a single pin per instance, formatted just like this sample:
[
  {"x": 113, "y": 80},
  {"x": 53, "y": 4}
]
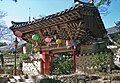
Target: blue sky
[{"x": 19, "y": 11}]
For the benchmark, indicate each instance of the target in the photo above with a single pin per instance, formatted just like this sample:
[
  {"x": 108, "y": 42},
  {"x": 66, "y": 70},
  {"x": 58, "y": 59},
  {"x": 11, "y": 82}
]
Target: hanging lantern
[
  {"x": 56, "y": 55},
  {"x": 35, "y": 37},
  {"x": 64, "y": 56},
  {"x": 74, "y": 44},
  {"x": 67, "y": 56},
  {"x": 48, "y": 40},
  {"x": 18, "y": 33},
  {"x": 68, "y": 44},
  {"x": 58, "y": 41},
  {"x": 12, "y": 49}
]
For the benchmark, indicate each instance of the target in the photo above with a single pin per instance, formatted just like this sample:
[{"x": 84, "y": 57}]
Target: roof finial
[{"x": 29, "y": 14}]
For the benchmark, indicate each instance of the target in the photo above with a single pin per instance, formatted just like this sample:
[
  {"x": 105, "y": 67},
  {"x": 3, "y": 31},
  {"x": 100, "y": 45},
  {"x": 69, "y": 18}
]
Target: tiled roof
[
  {"x": 81, "y": 6},
  {"x": 79, "y": 18}
]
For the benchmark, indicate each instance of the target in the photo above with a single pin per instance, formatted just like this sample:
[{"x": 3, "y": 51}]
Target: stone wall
[
  {"x": 72, "y": 78},
  {"x": 88, "y": 78},
  {"x": 32, "y": 67}
]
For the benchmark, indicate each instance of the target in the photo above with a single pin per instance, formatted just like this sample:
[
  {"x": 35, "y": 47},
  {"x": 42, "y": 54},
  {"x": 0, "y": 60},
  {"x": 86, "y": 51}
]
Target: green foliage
[
  {"x": 103, "y": 61},
  {"x": 21, "y": 56},
  {"x": 62, "y": 66},
  {"x": 114, "y": 50},
  {"x": 28, "y": 48},
  {"x": 117, "y": 37},
  {"x": 6, "y": 54}
]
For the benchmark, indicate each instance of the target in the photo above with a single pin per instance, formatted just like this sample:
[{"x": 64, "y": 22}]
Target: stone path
[{"x": 19, "y": 79}]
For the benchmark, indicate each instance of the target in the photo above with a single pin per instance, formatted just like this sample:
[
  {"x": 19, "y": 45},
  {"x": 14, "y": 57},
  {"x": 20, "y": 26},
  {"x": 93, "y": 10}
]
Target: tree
[
  {"x": 98, "y": 2},
  {"x": 5, "y": 33},
  {"x": 102, "y": 5}
]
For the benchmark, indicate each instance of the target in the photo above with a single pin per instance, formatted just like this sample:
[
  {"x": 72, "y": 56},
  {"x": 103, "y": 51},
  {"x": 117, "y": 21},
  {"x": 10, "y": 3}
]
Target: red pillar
[
  {"x": 45, "y": 63},
  {"x": 74, "y": 63}
]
